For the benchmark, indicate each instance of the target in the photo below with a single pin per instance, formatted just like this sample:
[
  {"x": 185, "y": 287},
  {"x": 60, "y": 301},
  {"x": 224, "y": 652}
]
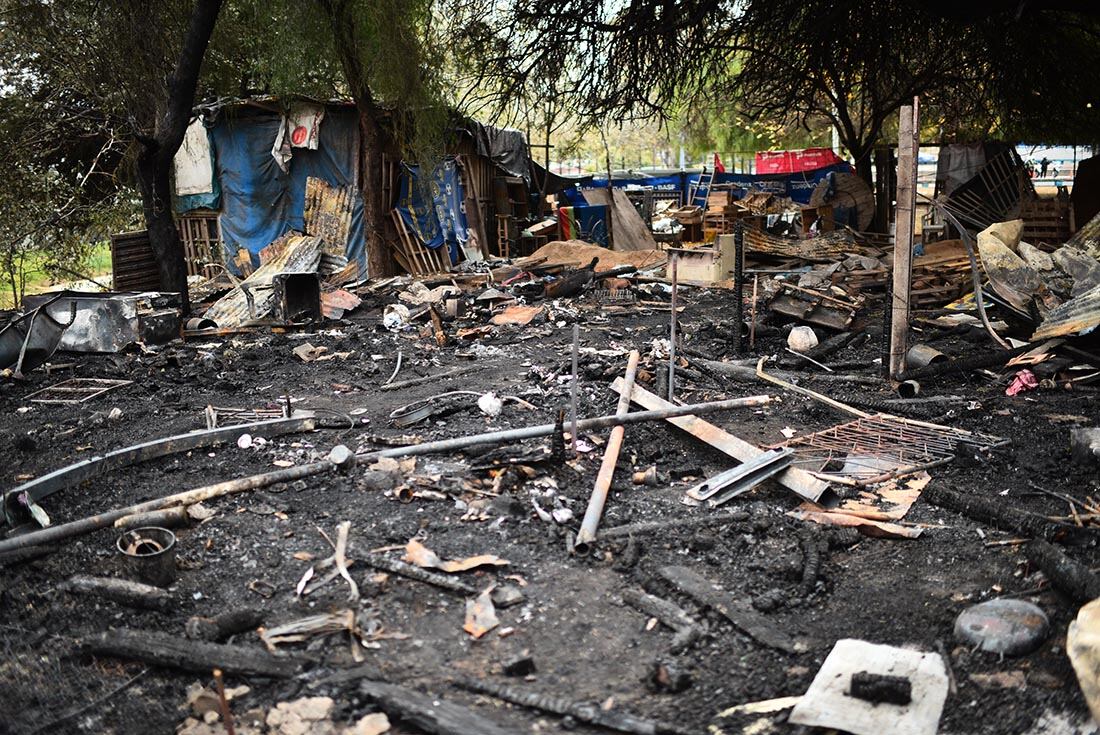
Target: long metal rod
[
  {"x": 87, "y": 525},
  {"x": 74, "y": 474},
  {"x": 752, "y": 314},
  {"x": 807, "y": 392},
  {"x": 673, "y": 261},
  {"x": 573, "y": 386},
  {"x": 739, "y": 284},
  {"x": 103, "y": 520},
  {"x": 975, "y": 277},
  {"x": 598, "y": 499}
]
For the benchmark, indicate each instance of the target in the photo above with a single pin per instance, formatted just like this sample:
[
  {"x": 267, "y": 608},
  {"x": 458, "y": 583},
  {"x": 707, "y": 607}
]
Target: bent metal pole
[
  {"x": 209, "y": 492},
  {"x": 587, "y": 534}
]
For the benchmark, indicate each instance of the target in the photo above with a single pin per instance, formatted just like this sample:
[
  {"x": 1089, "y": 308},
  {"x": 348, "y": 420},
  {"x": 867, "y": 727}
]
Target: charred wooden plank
[
  {"x": 175, "y": 652},
  {"x": 1073, "y": 578},
  {"x": 122, "y": 591},
  {"x": 590, "y": 713},
  {"x": 739, "y": 612},
  {"x": 430, "y": 714},
  {"x": 1000, "y": 514}
]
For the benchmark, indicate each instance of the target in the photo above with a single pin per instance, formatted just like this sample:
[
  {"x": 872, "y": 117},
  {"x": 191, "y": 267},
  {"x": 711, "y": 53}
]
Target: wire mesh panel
[{"x": 881, "y": 445}]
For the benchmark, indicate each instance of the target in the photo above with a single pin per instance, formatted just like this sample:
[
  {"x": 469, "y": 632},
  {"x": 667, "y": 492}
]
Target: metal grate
[
  {"x": 76, "y": 390},
  {"x": 218, "y": 416},
  {"x": 877, "y": 448}
]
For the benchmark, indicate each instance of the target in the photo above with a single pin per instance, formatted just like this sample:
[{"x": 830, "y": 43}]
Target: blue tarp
[
  {"x": 442, "y": 219},
  {"x": 260, "y": 201},
  {"x": 797, "y": 186}
]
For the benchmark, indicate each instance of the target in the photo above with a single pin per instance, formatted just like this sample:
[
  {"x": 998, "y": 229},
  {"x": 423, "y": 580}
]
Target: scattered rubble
[{"x": 429, "y": 482}]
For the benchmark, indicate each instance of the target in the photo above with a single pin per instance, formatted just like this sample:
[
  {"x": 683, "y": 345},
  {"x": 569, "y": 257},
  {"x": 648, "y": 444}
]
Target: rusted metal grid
[{"x": 878, "y": 448}]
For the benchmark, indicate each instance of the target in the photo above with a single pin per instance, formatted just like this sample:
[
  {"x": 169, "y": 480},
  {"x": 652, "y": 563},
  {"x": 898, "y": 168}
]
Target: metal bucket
[{"x": 150, "y": 555}]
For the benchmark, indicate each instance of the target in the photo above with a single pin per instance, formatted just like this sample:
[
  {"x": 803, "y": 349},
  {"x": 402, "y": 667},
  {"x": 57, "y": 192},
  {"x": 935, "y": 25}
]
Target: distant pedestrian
[{"x": 1043, "y": 166}]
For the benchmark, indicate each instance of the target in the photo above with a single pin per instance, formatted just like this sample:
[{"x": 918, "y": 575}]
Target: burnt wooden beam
[
  {"x": 1000, "y": 513},
  {"x": 122, "y": 591},
  {"x": 1071, "y": 577},
  {"x": 172, "y": 651},
  {"x": 430, "y": 714},
  {"x": 740, "y": 613}
]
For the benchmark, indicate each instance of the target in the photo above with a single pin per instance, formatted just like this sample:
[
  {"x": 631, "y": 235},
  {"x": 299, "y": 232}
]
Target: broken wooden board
[
  {"x": 800, "y": 482},
  {"x": 827, "y": 703},
  {"x": 739, "y": 612},
  {"x": 628, "y": 230},
  {"x": 872, "y": 510}
]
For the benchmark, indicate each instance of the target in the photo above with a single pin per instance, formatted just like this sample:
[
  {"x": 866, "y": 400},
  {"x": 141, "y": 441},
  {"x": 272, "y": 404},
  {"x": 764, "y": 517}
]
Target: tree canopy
[
  {"x": 95, "y": 93},
  {"x": 996, "y": 70}
]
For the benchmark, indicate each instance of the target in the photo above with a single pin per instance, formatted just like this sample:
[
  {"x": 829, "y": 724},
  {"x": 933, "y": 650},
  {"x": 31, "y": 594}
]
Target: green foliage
[{"x": 304, "y": 48}]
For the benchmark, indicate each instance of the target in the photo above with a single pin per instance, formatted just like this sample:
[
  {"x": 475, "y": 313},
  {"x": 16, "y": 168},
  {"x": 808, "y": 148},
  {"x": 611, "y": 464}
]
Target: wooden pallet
[
  {"x": 411, "y": 254},
  {"x": 201, "y": 235}
]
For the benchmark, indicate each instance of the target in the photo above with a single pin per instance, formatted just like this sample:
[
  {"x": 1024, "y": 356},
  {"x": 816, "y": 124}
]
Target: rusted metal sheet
[
  {"x": 328, "y": 214},
  {"x": 29, "y": 340},
  {"x": 254, "y": 298},
  {"x": 336, "y": 302},
  {"x": 801, "y": 483}
]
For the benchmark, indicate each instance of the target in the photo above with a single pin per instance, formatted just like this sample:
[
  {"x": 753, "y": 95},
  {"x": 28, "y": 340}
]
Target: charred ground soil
[{"x": 586, "y": 644}]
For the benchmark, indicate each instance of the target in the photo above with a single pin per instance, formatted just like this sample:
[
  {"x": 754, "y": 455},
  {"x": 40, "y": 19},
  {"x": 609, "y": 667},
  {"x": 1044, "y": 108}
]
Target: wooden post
[{"x": 908, "y": 141}]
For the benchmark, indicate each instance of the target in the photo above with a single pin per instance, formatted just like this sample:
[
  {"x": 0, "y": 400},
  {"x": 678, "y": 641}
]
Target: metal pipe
[
  {"x": 573, "y": 387},
  {"x": 674, "y": 260},
  {"x": 103, "y": 520},
  {"x": 964, "y": 235},
  {"x": 921, "y": 355},
  {"x": 908, "y": 389},
  {"x": 66, "y": 477},
  {"x": 533, "y": 432},
  {"x": 752, "y": 314},
  {"x": 93, "y": 523},
  {"x": 587, "y": 533}
]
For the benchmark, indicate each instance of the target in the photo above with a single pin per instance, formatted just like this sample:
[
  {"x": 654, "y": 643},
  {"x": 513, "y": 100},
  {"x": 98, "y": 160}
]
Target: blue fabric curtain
[{"x": 436, "y": 213}]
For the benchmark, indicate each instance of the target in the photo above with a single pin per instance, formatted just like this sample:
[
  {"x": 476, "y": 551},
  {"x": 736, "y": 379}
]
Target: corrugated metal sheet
[
  {"x": 290, "y": 253},
  {"x": 1072, "y": 317},
  {"x": 328, "y": 212},
  {"x": 826, "y": 247},
  {"x": 1087, "y": 238}
]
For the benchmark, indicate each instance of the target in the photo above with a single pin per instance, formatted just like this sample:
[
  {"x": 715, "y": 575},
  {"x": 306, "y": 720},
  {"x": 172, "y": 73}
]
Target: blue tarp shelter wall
[
  {"x": 798, "y": 186},
  {"x": 259, "y": 201}
]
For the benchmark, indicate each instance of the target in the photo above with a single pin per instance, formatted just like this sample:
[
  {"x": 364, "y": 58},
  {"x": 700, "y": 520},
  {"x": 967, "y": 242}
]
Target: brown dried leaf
[
  {"x": 481, "y": 616},
  {"x": 420, "y": 555}
]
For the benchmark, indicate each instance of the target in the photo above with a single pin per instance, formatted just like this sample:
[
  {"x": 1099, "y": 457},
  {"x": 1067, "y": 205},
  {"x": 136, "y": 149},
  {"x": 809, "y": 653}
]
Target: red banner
[{"x": 789, "y": 162}]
